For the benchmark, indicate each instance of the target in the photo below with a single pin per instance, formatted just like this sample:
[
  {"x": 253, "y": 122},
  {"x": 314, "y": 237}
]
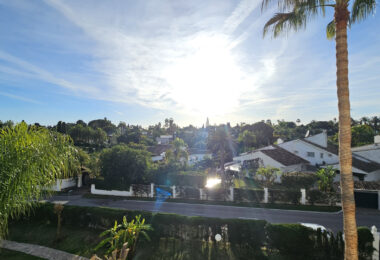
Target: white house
[
  {"x": 164, "y": 139},
  {"x": 158, "y": 151},
  {"x": 197, "y": 155},
  {"x": 318, "y": 152},
  {"x": 269, "y": 156}
]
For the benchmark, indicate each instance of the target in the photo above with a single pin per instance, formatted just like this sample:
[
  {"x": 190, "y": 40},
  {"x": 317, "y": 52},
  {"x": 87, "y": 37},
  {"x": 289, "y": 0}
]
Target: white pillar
[
  {"x": 303, "y": 196},
  {"x": 231, "y": 194},
  {"x": 201, "y": 194},
  {"x": 79, "y": 184},
  {"x": 131, "y": 191},
  {"x": 265, "y": 195},
  {"x": 173, "y": 191},
  {"x": 92, "y": 188},
  {"x": 151, "y": 190},
  {"x": 375, "y": 255}
]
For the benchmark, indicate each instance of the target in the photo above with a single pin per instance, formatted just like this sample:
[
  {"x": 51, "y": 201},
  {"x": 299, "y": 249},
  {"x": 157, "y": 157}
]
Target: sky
[{"x": 143, "y": 61}]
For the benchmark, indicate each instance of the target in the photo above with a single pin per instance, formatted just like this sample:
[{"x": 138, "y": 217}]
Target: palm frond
[
  {"x": 330, "y": 30},
  {"x": 282, "y": 22},
  {"x": 361, "y": 9}
]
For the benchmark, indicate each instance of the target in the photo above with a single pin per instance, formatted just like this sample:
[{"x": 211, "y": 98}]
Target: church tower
[{"x": 207, "y": 123}]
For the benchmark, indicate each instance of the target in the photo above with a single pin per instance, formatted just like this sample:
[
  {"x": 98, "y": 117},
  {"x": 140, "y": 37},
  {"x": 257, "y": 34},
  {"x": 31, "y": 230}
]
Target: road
[{"x": 333, "y": 221}]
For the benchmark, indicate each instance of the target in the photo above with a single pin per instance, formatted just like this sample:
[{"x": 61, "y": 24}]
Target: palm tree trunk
[{"x": 345, "y": 156}]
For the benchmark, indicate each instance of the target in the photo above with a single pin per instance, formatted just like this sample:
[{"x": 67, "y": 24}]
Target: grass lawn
[
  {"x": 75, "y": 241},
  {"x": 227, "y": 203},
  {"x": 14, "y": 255}
]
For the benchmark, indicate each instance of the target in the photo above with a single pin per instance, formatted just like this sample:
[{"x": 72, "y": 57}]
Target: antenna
[{"x": 307, "y": 133}]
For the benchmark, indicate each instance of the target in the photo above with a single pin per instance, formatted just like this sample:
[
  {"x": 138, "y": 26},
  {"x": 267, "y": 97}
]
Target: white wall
[
  {"x": 63, "y": 184},
  {"x": 373, "y": 176},
  {"x": 301, "y": 149},
  {"x": 111, "y": 192},
  {"x": 193, "y": 158},
  {"x": 320, "y": 139}
]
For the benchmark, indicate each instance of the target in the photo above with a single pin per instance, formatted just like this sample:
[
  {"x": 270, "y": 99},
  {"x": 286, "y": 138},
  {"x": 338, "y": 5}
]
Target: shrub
[
  {"x": 189, "y": 192},
  {"x": 288, "y": 196},
  {"x": 365, "y": 240},
  {"x": 194, "y": 179},
  {"x": 314, "y": 196},
  {"x": 298, "y": 180},
  {"x": 241, "y": 195},
  {"x": 291, "y": 241}
]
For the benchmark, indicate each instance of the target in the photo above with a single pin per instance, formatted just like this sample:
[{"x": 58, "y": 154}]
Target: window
[
  {"x": 321, "y": 155},
  {"x": 310, "y": 154}
]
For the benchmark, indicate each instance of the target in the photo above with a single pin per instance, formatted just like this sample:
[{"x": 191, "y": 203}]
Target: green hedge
[
  {"x": 290, "y": 196},
  {"x": 187, "y": 179},
  {"x": 298, "y": 180},
  {"x": 246, "y": 238},
  {"x": 241, "y": 195}
]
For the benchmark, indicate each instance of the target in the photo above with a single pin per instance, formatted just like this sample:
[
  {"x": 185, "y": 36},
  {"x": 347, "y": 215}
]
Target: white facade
[
  {"x": 310, "y": 152},
  {"x": 164, "y": 139},
  {"x": 64, "y": 184},
  {"x": 194, "y": 158}
]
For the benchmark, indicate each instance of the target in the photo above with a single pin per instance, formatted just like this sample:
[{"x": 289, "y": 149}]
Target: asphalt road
[{"x": 333, "y": 221}]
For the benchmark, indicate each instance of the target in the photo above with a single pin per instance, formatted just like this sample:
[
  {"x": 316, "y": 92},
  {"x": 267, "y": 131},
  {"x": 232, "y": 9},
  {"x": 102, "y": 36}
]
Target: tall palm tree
[{"x": 294, "y": 15}]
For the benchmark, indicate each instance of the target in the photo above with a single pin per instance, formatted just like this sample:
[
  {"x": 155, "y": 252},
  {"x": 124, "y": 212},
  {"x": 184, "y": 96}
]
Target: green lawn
[
  {"x": 14, "y": 255},
  {"x": 75, "y": 241}
]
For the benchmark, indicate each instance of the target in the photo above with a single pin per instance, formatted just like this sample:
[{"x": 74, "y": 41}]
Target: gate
[{"x": 366, "y": 199}]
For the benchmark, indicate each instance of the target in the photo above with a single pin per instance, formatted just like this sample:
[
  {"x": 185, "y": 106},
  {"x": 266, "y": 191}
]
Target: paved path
[
  {"x": 40, "y": 251},
  {"x": 333, "y": 221}
]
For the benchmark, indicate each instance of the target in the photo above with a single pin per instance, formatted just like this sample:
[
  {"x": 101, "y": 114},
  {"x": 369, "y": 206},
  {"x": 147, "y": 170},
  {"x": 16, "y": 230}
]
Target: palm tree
[
  {"x": 31, "y": 159},
  {"x": 294, "y": 14}
]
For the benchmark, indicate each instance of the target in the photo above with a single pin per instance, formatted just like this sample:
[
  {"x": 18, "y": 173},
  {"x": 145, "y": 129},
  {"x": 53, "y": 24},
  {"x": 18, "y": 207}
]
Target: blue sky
[{"x": 144, "y": 61}]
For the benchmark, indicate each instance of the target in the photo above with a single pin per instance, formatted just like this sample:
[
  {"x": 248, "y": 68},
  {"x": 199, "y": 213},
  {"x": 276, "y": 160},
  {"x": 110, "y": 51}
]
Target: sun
[{"x": 208, "y": 79}]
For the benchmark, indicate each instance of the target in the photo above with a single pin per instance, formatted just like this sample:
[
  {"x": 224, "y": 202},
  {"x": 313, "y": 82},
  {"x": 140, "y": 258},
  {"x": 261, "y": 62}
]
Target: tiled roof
[
  {"x": 158, "y": 149},
  {"x": 283, "y": 156},
  {"x": 361, "y": 164}
]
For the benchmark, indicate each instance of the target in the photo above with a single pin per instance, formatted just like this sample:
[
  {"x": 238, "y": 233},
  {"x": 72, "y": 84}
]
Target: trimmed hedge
[
  {"x": 246, "y": 195},
  {"x": 298, "y": 180},
  {"x": 246, "y": 237},
  {"x": 187, "y": 179},
  {"x": 290, "y": 196}
]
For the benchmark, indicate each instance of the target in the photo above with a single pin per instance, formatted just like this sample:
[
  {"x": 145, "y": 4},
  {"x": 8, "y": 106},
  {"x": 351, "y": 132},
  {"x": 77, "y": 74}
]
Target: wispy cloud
[{"x": 19, "y": 98}]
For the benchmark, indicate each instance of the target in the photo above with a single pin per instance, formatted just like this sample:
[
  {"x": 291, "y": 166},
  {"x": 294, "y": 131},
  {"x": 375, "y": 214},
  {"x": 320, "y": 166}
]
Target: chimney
[{"x": 280, "y": 141}]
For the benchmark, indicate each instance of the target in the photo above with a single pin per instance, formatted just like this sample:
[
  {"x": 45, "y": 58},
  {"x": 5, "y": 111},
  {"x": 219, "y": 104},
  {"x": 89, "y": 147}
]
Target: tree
[
  {"x": 247, "y": 140},
  {"x": 177, "y": 153},
  {"x": 267, "y": 175},
  {"x": 220, "y": 144},
  {"x": 361, "y": 135},
  {"x": 326, "y": 179},
  {"x": 31, "y": 159},
  {"x": 294, "y": 15},
  {"x": 122, "y": 165}
]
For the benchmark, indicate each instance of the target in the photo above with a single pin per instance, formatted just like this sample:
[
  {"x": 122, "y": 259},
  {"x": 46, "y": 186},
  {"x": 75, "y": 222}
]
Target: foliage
[
  {"x": 267, "y": 175},
  {"x": 187, "y": 178},
  {"x": 122, "y": 165},
  {"x": 126, "y": 232},
  {"x": 326, "y": 179},
  {"x": 292, "y": 196},
  {"x": 247, "y": 140},
  {"x": 177, "y": 154},
  {"x": 298, "y": 180},
  {"x": 248, "y": 195},
  {"x": 221, "y": 145},
  {"x": 365, "y": 243},
  {"x": 31, "y": 159},
  {"x": 314, "y": 196}
]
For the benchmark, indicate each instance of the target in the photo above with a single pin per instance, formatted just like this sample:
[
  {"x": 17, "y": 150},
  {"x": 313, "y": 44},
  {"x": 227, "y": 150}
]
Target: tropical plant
[
  {"x": 295, "y": 14},
  {"x": 177, "y": 153},
  {"x": 31, "y": 160},
  {"x": 221, "y": 145},
  {"x": 267, "y": 175},
  {"x": 325, "y": 179},
  {"x": 124, "y": 234}
]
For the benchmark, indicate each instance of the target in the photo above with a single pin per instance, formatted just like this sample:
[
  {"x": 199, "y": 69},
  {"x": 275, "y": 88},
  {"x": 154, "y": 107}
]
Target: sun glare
[
  {"x": 208, "y": 81},
  {"x": 212, "y": 182}
]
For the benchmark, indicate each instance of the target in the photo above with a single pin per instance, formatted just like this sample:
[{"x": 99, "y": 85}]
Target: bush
[
  {"x": 291, "y": 241},
  {"x": 314, "y": 196},
  {"x": 365, "y": 240},
  {"x": 287, "y": 196},
  {"x": 189, "y": 192},
  {"x": 298, "y": 180},
  {"x": 194, "y": 179},
  {"x": 241, "y": 195}
]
